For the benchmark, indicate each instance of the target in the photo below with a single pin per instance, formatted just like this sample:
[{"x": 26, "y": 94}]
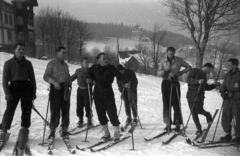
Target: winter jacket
[
  {"x": 81, "y": 75},
  {"x": 14, "y": 70},
  {"x": 231, "y": 85},
  {"x": 130, "y": 76},
  {"x": 104, "y": 75},
  {"x": 56, "y": 72},
  {"x": 194, "y": 76},
  {"x": 174, "y": 66}
]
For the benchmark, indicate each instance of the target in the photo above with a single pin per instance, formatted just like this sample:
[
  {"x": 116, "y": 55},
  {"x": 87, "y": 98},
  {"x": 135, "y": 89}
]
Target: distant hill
[{"x": 101, "y": 31}]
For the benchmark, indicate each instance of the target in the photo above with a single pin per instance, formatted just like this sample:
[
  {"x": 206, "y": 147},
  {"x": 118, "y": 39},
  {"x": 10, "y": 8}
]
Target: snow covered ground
[{"x": 150, "y": 112}]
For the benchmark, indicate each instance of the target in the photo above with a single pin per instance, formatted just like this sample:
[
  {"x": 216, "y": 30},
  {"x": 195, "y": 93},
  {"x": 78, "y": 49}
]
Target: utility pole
[{"x": 117, "y": 50}]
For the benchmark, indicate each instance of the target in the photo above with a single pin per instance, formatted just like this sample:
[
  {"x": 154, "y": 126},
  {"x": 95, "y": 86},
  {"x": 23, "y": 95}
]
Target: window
[
  {"x": 6, "y": 18},
  {"x": 30, "y": 36},
  {"x": 19, "y": 20},
  {"x": 20, "y": 36},
  {"x": 19, "y": 5},
  {"x": 10, "y": 20},
  {"x": 9, "y": 35}
]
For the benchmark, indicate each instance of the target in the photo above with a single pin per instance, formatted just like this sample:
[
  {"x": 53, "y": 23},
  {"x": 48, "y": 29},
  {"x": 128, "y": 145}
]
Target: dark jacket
[
  {"x": 194, "y": 76},
  {"x": 231, "y": 85},
  {"x": 81, "y": 75},
  {"x": 130, "y": 76},
  {"x": 13, "y": 70}
]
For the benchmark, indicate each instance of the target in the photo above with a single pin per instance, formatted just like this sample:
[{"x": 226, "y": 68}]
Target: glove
[
  {"x": 127, "y": 85},
  {"x": 88, "y": 80},
  {"x": 56, "y": 85},
  {"x": 8, "y": 97},
  {"x": 66, "y": 94},
  {"x": 201, "y": 81}
]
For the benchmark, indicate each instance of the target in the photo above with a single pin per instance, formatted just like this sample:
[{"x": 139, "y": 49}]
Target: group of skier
[{"x": 19, "y": 84}]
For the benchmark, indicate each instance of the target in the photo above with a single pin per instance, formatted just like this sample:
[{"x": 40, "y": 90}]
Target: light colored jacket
[
  {"x": 56, "y": 72},
  {"x": 175, "y": 67}
]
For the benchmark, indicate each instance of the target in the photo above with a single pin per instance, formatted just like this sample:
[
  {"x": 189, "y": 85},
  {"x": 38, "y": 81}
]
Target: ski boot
[
  {"x": 227, "y": 137},
  {"x": 198, "y": 132},
  {"x": 167, "y": 128},
  {"x": 106, "y": 135}
]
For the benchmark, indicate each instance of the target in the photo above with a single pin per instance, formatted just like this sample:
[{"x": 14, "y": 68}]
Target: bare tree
[
  {"x": 157, "y": 38},
  {"x": 224, "y": 51},
  {"x": 144, "y": 55},
  {"x": 82, "y": 35},
  {"x": 204, "y": 19}
]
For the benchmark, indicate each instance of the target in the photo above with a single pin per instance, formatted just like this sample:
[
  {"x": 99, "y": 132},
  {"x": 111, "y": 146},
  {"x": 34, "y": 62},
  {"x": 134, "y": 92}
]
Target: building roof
[
  {"x": 8, "y": 1},
  {"x": 33, "y": 2}
]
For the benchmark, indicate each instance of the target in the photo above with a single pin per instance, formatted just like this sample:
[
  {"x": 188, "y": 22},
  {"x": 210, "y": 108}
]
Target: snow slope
[{"x": 150, "y": 111}]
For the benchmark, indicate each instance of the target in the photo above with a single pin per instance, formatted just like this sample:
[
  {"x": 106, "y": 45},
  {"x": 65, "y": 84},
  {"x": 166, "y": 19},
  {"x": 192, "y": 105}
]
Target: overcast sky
[{"x": 128, "y": 12}]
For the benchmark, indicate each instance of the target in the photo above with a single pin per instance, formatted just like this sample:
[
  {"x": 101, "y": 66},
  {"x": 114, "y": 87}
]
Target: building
[
  {"x": 17, "y": 24},
  {"x": 7, "y": 25}
]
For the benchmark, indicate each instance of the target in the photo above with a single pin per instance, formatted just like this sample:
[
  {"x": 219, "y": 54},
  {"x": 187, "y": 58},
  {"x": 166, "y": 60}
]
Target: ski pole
[
  {"x": 217, "y": 122},
  {"x": 132, "y": 136},
  {"x": 234, "y": 126},
  {"x": 170, "y": 104},
  {"x": 44, "y": 131},
  {"x": 35, "y": 109},
  {"x": 121, "y": 102},
  {"x": 90, "y": 114},
  {"x": 194, "y": 102},
  {"x": 135, "y": 107},
  {"x": 179, "y": 102}
]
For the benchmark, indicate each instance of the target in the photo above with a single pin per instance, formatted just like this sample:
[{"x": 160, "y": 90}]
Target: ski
[
  {"x": 210, "y": 143},
  {"x": 173, "y": 136},
  {"x": 2, "y": 143},
  {"x": 123, "y": 128},
  {"x": 112, "y": 143},
  {"x": 50, "y": 145},
  {"x": 69, "y": 146},
  {"x": 217, "y": 145},
  {"x": 209, "y": 126},
  {"x": 190, "y": 141},
  {"x": 157, "y": 136},
  {"x": 82, "y": 130},
  {"x": 77, "y": 127},
  {"x": 94, "y": 145}
]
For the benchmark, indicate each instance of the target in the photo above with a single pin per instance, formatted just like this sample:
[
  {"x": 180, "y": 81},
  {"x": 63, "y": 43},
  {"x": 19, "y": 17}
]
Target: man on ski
[
  {"x": 230, "y": 92},
  {"x": 57, "y": 75},
  {"x": 129, "y": 95},
  {"x": 19, "y": 84},
  {"x": 169, "y": 70},
  {"x": 103, "y": 74},
  {"x": 198, "y": 78},
  {"x": 83, "y": 92}
]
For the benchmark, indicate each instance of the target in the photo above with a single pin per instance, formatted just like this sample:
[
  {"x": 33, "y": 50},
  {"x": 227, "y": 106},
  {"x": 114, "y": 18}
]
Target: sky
[{"x": 128, "y": 12}]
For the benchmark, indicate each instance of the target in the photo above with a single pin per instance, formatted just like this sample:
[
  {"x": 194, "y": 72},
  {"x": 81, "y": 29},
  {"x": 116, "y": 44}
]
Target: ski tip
[
  {"x": 145, "y": 139},
  {"x": 92, "y": 150},
  {"x": 50, "y": 153},
  {"x": 78, "y": 148},
  {"x": 73, "y": 152}
]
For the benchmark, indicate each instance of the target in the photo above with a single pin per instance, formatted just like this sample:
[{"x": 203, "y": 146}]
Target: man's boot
[
  {"x": 227, "y": 137},
  {"x": 167, "y": 128},
  {"x": 199, "y": 131},
  {"x": 106, "y": 135},
  {"x": 80, "y": 122},
  {"x": 116, "y": 135},
  {"x": 52, "y": 134},
  {"x": 22, "y": 140}
]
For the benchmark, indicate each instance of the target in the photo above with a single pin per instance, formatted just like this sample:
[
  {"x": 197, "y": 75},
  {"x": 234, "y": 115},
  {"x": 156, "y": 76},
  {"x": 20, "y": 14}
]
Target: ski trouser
[
  {"x": 130, "y": 103},
  {"x": 231, "y": 108},
  {"x": 19, "y": 90},
  {"x": 105, "y": 104},
  {"x": 83, "y": 101},
  {"x": 198, "y": 107},
  {"x": 166, "y": 89},
  {"x": 58, "y": 106}
]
